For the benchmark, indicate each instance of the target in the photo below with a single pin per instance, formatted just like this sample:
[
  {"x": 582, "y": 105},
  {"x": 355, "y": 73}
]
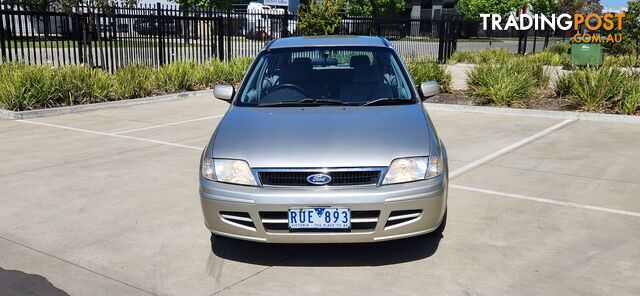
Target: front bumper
[{"x": 378, "y": 213}]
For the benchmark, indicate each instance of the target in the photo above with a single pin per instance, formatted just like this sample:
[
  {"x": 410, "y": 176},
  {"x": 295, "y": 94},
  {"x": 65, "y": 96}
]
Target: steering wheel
[{"x": 288, "y": 85}]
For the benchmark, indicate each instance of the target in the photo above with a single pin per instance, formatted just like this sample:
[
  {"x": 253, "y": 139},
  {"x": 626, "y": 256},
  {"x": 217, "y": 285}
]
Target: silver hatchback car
[{"x": 325, "y": 141}]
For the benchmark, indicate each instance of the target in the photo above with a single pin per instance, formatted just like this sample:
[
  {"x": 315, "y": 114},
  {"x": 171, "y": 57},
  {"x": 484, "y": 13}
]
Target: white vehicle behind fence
[{"x": 265, "y": 22}]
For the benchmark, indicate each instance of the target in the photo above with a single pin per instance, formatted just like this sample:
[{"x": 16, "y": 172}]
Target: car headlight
[
  {"x": 228, "y": 171},
  {"x": 404, "y": 170}
]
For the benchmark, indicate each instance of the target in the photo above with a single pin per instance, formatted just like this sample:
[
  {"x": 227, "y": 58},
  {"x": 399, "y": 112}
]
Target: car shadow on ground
[
  {"x": 15, "y": 282},
  {"x": 360, "y": 254}
]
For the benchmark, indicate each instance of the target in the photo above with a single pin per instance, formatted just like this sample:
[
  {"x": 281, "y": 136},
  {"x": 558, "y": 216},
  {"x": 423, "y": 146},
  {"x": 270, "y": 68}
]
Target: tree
[
  {"x": 471, "y": 9},
  {"x": 544, "y": 6},
  {"x": 320, "y": 18},
  {"x": 631, "y": 25},
  {"x": 630, "y": 34},
  {"x": 579, "y": 6},
  {"x": 373, "y": 7},
  {"x": 222, "y": 4}
]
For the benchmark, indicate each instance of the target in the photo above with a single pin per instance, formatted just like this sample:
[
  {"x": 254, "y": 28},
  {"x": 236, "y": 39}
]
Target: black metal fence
[
  {"x": 412, "y": 38},
  {"x": 472, "y": 37},
  {"x": 111, "y": 37}
]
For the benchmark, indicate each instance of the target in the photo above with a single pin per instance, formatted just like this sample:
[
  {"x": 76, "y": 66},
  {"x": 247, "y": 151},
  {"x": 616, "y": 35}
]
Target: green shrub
[
  {"x": 464, "y": 56},
  {"x": 177, "y": 76},
  {"x": 8, "y": 87},
  {"x": 217, "y": 72},
  {"x": 592, "y": 89},
  {"x": 11, "y": 88},
  {"x": 134, "y": 81},
  {"x": 39, "y": 85},
  {"x": 621, "y": 61},
  {"x": 563, "y": 86},
  {"x": 630, "y": 102},
  {"x": 555, "y": 55},
  {"x": 549, "y": 58},
  {"x": 320, "y": 17},
  {"x": 101, "y": 85},
  {"x": 236, "y": 69},
  {"x": 501, "y": 84},
  {"x": 535, "y": 68},
  {"x": 211, "y": 73},
  {"x": 427, "y": 70},
  {"x": 495, "y": 56},
  {"x": 69, "y": 82},
  {"x": 559, "y": 48},
  {"x": 24, "y": 87},
  {"x": 487, "y": 56}
]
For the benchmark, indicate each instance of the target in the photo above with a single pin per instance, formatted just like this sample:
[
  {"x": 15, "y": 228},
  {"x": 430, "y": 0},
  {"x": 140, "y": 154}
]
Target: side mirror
[
  {"x": 223, "y": 92},
  {"x": 429, "y": 89}
]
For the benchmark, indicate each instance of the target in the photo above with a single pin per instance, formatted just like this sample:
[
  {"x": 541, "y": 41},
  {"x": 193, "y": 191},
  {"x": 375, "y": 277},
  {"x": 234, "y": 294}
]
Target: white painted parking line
[
  {"x": 112, "y": 135},
  {"x": 546, "y": 200},
  {"x": 473, "y": 165},
  {"x": 166, "y": 124}
]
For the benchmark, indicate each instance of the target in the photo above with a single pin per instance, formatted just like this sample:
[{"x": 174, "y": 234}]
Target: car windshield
[{"x": 359, "y": 76}]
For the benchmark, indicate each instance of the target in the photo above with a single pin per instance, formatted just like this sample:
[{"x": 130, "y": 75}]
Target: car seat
[{"x": 367, "y": 84}]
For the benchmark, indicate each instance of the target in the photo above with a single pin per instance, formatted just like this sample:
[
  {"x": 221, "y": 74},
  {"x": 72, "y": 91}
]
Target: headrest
[
  {"x": 359, "y": 61},
  {"x": 366, "y": 75},
  {"x": 324, "y": 62},
  {"x": 331, "y": 62},
  {"x": 303, "y": 62},
  {"x": 297, "y": 70}
]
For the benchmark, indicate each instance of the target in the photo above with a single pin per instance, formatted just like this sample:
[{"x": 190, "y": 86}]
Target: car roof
[{"x": 324, "y": 41}]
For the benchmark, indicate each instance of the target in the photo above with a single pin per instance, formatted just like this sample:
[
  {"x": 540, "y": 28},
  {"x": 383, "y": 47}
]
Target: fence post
[
  {"x": 285, "y": 24},
  {"x": 160, "y": 34},
  {"x": 441, "y": 40},
  {"x": 490, "y": 36},
  {"x": 453, "y": 35},
  {"x": 445, "y": 28},
  {"x": 458, "y": 31},
  {"x": 81, "y": 33},
  {"x": 3, "y": 54},
  {"x": 546, "y": 39},
  {"x": 520, "y": 38},
  {"x": 220, "y": 35},
  {"x": 228, "y": 33}
]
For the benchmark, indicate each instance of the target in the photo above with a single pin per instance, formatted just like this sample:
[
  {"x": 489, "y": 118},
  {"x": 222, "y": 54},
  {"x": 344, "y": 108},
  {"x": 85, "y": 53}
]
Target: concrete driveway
[{"x": 106, "y": 203}]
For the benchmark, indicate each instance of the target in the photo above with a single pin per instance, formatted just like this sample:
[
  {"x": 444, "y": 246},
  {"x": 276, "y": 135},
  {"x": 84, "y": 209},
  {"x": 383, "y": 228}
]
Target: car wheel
[{"x": 440, "y": 228}]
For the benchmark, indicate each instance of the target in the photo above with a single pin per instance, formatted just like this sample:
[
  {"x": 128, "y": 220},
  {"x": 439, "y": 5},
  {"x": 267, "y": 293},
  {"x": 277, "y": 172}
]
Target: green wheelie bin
[{"x": 586, "y": 54}]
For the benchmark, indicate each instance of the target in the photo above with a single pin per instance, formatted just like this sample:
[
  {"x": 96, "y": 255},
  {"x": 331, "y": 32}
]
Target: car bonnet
[{"x": 322, "y": 137}]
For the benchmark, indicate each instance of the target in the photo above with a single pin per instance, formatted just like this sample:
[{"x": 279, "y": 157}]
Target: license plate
[{"x": 320, "y": 218}]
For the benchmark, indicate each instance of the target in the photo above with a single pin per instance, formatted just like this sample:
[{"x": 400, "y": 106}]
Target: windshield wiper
[
  {"x": 304, "y": 102},
  {"x": 386, "y": 101}
]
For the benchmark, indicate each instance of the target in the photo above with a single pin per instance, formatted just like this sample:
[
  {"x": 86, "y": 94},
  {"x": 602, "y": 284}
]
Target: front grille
[
  {"x": 361, "y": 221},
  {"x": 338, "y": 178}
]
